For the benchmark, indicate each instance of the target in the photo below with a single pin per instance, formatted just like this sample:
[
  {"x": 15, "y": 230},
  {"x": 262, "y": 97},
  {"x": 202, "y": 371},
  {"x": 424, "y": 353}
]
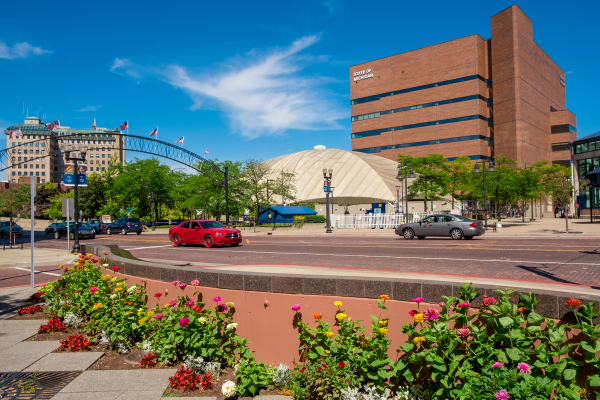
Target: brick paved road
[
  {"x": 13, "y": 277},
  {"x": 553, "y": 260}
]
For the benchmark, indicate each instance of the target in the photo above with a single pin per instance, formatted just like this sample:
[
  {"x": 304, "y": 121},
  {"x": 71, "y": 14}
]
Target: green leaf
[
  {"x": 569, "y": 374},
  {"x": 407, "y": 347},
  {"x": 320, "y": 350},
  {"x": 506, "y": 321},
  {"x": 594, "y": 380},
  {"x": 514, "y": 354},
  {"x": 533, "y": 329},
  {"x": 572, "y": 394},
  {"x": 535, "y": 319},
  {"x": 439, "y": 367}
]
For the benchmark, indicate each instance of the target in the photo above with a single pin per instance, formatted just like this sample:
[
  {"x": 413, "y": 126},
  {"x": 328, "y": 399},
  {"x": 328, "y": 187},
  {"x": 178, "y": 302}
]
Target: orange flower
[
  {"x": 573, "y": 302},
  {"x": 521, "y": 309},
  {"x": 384, "y": 297},
  {"x": 128, "y": 303},
  {"x": 105, "y": 253},
  {"x": 318, "y": 316}
]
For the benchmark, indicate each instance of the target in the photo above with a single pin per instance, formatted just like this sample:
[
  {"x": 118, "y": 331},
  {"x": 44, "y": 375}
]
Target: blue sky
[{"x": 247, "y": 79}]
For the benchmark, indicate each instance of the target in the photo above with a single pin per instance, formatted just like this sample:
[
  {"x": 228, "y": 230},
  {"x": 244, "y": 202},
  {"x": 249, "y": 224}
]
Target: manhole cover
[{"x": 32, "y": 385}]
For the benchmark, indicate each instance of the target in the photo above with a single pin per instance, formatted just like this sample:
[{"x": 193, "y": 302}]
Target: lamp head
[
  {"x": 476, "y": 169},
  {"x": 411, "y": 175},
  {"x": 83, "y": 151},
  {"x": 399, "y": 176},
  {"x": 330, "y": 172},
  {"x": 491, "y": 168},
  {"x": 324, "y": 172}
]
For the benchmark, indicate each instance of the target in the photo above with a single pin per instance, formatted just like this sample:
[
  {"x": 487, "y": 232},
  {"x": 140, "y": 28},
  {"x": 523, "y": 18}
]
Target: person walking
[{"x": 555, "y": 211}]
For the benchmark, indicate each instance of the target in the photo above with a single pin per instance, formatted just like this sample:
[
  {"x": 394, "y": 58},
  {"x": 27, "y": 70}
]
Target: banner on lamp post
[{"x": 69, "y": 177}]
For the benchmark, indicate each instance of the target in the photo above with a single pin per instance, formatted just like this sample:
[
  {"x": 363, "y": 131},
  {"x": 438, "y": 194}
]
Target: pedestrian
[{"x": 555, "y": 211}]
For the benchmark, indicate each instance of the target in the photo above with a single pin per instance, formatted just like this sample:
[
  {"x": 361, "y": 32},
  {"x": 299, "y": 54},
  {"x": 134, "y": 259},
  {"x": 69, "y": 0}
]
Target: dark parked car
[
  {"x": 52, "y": 227},
  {"x": 209, "y": 233},
  {"x": 125, "y": 225},
  {"x": 5, "y": 227},
  {"x": 96, "y": 225},
  {"x": 85, "y": 232},
  {"x": 454, "y": 226}
]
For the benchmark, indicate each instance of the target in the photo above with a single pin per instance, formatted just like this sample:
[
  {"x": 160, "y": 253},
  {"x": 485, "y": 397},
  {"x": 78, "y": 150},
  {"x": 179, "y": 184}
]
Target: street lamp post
[
  {"x": 327, "y": 189},
  {"x": 402, "y": 174},
  {"x": 398, "y": 197},
  {"x": 332, "y": 202},
  {"x": 82, "y": 154},
  {"x": 476, "y": 170}
]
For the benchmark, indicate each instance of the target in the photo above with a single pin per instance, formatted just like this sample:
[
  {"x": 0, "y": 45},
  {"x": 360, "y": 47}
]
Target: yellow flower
[
  {"x": 90, "y": 254},
  {"x": 74, "y": 273},
  {"x": 149, "y": 314},
  {"x": 340, "y": 316},
  {"x": 419, "y": 339},
  {"x": 139, "y": 313},
  {"x": 120, "y": 283},
  {"x": 70, "y": 269},
  {"x": 329, "y": 334},
  {"x": 97, "y": 306},
  {"x": 418, "y": 318},
  {"x": 383, "y": 331},
  {"x": 114, "y": 279},
  {"x": 105, "y": 276},
  {"x": 114, "y": 322},
  {"x": 119, "y": 288},
  {"x": 61, "y": 265},
  {"x": 337, "y": 303},
  {"x": 383, "y": 323},
  {"x": 327, "y": 351},
  {"x": 76, "y": 264},
  {"x": 87, "y": 270},
  {"x": 141, "y": 321}
]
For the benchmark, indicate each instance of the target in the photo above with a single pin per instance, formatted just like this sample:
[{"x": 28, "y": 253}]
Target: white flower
[
  {"x": 131, "y": 289},
  {"x": 112, "y": 296},
  {"x": 228, "y": 389},
  {"x": 233, "y": 325},
  {"x": 202, "y": 320},
  {"x": 105, "y": 265}
]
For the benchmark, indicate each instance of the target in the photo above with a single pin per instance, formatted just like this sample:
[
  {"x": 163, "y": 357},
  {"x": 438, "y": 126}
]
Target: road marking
[
  {"x": 37, "y": 272},
  {"x": 419, "y": 258},
  {"x": 149, "y": 247},
  {"x": 247, "y": 241}
]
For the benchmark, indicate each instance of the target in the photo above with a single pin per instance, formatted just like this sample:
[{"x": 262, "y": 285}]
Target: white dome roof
[{"x": 358, "y": 178}]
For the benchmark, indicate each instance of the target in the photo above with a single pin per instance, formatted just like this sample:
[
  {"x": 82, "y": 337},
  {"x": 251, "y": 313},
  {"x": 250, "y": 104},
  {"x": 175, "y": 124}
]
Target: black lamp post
[
  {"x": 476, "y": 170},
  {"x": 402, "y": 174},
  {"x": 326, "y": 186},
  {"x": 82, "y": 154},
  {"x": 398, "y": 198},
  {"x": 332, "y": 202}
]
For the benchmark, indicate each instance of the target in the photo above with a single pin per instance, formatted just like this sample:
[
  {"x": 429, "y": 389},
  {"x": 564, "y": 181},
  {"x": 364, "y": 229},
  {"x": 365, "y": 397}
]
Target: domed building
[{"x": 359, "y": 179}]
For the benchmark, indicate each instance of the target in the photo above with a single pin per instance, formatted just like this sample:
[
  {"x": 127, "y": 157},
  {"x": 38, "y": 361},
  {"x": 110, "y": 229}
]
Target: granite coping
[{"x": 550, "y": 303}]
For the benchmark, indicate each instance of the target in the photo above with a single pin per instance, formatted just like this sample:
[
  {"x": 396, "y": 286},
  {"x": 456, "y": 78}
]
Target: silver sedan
[{"x": 454, "y": 226}]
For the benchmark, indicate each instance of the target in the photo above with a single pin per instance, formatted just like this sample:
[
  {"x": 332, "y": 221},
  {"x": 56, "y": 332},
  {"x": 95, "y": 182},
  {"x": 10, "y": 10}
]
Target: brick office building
[{"x": 469, "y": 96}]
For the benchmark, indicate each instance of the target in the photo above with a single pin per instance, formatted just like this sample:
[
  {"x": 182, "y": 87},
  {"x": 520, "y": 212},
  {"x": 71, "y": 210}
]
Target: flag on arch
[
  {"x": 124, "y": 125},
  {"x": 53, "y": 125},
  {"x": 94, "y": 124},
  {"x": 206, "y": 152},
  {"x": 180, "y": 140},
  {"x": 154, "y": 132}
]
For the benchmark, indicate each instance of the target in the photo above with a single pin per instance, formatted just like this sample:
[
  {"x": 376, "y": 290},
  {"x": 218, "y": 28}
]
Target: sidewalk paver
[
  {"x": 11, "y": 299},
  {"x": 13, "y": 332},
  {"x": 23, "y": 354},
  {"x": 122, "y": 385},
  {"x": 66, "y": 361}
]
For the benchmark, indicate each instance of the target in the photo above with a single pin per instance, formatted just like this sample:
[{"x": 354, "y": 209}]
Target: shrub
[
  {"x": 53, "y": 325},
  {"x": 148, "y": 361},
  {"x": 74, "y": 342},
  {"x": 184, "y": 379},
  {"x": 30, "y": 309}
]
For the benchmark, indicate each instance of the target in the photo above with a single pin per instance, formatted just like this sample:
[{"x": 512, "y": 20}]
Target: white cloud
[
  {"x": 88, "y": 108},
  {"x": 570, "y": 72},
  {"x": 20, "y": 50},
  {"x": 264, "y": 95},
  {"x": 124, "y": 65}
]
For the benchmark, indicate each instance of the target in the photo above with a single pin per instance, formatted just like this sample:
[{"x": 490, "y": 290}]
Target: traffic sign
[{"x": 129, "y": 209}]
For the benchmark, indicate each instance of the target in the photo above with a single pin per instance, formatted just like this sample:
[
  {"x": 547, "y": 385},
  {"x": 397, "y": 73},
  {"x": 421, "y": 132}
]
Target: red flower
[
  {"x": 318, "y": 316},
  {"x": 573, "y": 302},
  {"x": 342, "y": 364},
  {"x": 197, "y": 309},
  {"x": 302, "y": 370},
  {"x": 319, "y": 368},
  {"x": 324, "y": 365},
  {"x": 157, "y": 294}
]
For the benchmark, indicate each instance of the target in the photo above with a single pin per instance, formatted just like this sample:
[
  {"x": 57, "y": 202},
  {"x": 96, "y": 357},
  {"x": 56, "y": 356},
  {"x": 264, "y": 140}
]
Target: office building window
[
  {"x": 62, "y": 175},
  {"x": 37, "y": 173},
  {"x": 109, "y": 156},
  {"x": 43, "y": 173},
  {"x": 13, "y": 143},
  {"x": 43, "y": 181},
  {"x": 566, "y": 128},
  {"x": 102, "y": 154},
  {"x": 19, "y": 173},
  {"x": 14, "y": 173},
  {"x": 561, "y": 146},
  {"x": 24, "y": 165},
  {"x": 102, "y": 162},
  {"x": 425, "y": 143}
]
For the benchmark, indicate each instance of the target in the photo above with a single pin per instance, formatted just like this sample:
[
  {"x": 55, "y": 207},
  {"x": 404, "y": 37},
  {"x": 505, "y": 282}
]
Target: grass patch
[{"x": 125, "y": 254}]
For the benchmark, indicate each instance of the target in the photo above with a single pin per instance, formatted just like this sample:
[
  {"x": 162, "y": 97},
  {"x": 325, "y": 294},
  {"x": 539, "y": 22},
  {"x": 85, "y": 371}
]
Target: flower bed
[{"x": 499, "y": 351}]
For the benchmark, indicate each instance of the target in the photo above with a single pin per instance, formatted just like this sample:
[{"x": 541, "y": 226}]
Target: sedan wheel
[
  {"x": 176, "y": 241},
  {"x": 408, "y": 234},
  {"x": 123, "y": 231},
  {"x": 208, "y": 241},
  {"x": 108, "y": 231},
  {"x": 456, "y": 234}
]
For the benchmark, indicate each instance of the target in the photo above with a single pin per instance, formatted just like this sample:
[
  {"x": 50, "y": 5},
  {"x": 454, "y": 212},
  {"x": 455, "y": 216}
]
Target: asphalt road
[{"x": 539, "y": 259}]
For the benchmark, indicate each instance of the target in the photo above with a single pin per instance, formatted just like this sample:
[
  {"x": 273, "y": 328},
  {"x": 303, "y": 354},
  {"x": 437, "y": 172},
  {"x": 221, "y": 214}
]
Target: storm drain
[{"x": 32, "y": 385}]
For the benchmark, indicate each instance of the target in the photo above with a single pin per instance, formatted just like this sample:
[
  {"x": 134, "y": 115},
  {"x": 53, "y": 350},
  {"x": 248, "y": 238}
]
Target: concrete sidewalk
[{"x": 16, "y": 257}]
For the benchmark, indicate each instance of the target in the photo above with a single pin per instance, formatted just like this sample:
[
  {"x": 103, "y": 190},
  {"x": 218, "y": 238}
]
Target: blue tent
[{"x": 283, "y": 215}]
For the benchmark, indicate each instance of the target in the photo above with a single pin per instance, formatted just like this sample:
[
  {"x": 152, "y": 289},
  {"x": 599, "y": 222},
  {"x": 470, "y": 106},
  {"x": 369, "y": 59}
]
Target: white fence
[{"x": 373, "y": 221}]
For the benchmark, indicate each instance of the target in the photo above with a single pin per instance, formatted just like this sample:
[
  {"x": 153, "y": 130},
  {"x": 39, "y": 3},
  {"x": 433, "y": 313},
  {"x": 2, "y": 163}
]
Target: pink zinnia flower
[
  {"x": 195, "y": 282},
  {"x": 158, "y": 316},
  {"x": 412, "y": 313},
  {"x": 524, "y": 368},
  {"x": 190, "y": 304},
  {"x": 94, "y": 260},
  {"x": 417, "y": 300},
  {"x": 497, "y": 364},
  {"x": 182, "y": 286},
  {"x": 441, "y": 304},
  {"x": 464, "y": 304},
  {"x": 295, "y": 307},
  {"x": 115, "y": 268},
  {"x": 173, "y": 303},
  {"x": 431, "y": 314},
  {"x": 183, "y": 322},
  {"x": 488, "y": 301},
  {"x": 217, "y": 299},
  {"x": 501, "y": 395},
  {"x": 463, "y": 332},
  {"x": 77, "y": 291},
  {"x": 223, "y": 308},
  {"x": 175, "y": 283},
  {"x": 93, "y": 289}
]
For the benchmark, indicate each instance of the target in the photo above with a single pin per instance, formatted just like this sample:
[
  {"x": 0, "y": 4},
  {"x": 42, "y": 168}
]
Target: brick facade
[{"x": 523, "y": 83}]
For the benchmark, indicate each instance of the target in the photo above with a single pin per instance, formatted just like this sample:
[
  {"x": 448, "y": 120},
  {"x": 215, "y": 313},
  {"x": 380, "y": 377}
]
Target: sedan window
[
  {"x": 210, "y": 224},
  {"x": 185, "y": 225},
  {"x": 195, "y": 225}
]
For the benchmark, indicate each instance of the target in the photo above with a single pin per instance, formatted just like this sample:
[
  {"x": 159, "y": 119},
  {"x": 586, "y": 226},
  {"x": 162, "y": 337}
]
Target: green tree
[
  {"x": 556, "y": 180},
  {"x": 42, "y": 197},
  {"x": 93, "y": 197},
  {"x": 433, "y": 179},
  {"x": 459, "y": 171},
  {"x": 13, "y": 202},
  {"x": 54, "y": 211}
]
